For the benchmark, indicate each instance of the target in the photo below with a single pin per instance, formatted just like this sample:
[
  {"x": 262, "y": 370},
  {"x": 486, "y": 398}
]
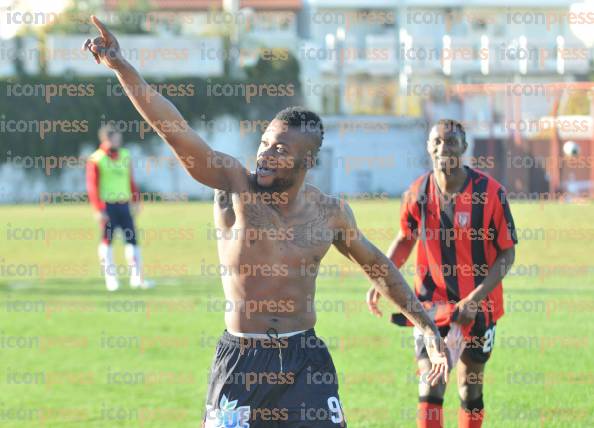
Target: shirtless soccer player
[{"x": 268, "y": 356}]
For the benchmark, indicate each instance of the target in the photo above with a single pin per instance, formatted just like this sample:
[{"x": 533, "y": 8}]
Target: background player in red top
[
  {"x": 110, "y": 185},
  {"x": 467, "y": 234}
]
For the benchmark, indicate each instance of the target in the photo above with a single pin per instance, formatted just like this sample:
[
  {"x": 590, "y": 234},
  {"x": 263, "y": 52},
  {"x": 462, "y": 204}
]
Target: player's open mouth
[{"x": 263, "y": 171}]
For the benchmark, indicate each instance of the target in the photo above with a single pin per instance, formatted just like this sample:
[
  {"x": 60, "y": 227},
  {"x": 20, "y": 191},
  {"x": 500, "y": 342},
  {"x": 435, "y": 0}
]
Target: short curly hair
[
  {"x": 453, "y": 128},
  {"x": 304, "y": 120}
]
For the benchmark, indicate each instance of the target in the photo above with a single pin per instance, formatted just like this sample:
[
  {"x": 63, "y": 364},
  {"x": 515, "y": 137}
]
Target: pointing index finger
[{"x": 102, "y": 29}]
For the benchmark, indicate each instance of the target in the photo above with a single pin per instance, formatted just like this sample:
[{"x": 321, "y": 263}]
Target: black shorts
[
  {"x": 119, "y": 216},
  {"x": 478, "y": 348},
  {"x": 284, "y": 382}
]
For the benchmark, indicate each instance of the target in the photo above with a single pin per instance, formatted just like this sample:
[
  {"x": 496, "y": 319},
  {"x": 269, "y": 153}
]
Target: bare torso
[{"x": 269, "y": 259}]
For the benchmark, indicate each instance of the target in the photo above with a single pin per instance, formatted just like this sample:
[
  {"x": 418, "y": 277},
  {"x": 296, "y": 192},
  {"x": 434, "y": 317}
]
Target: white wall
[
  {"x": 29, "y": 54},
  {"x": 368, "y": 154},
  {"x": 155, "y": 167},
  {"x": 374, "y": 154}
]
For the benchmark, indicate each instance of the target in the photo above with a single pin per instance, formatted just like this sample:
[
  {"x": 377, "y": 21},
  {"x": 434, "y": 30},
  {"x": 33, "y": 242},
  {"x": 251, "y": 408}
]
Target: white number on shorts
[
  {"x": 489, "y": 340},
  {"x": 335, "y": 409}
]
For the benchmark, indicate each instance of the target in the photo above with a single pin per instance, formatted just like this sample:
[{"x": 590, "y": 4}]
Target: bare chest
[{"x": 256, "y": 230}]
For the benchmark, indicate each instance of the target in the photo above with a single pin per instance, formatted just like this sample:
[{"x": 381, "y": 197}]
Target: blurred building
[
  {"x": 495, "y": 68},
  {"x": 501, "y": 70}
]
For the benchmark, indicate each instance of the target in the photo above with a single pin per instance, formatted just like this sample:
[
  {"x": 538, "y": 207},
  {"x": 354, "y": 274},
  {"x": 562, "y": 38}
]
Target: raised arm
[
  {"x": 388, "y": 280},
  {"x": 207, "y": 166}
]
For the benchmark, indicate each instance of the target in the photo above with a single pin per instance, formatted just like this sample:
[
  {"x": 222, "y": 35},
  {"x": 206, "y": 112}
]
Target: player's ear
[{"x": 309, "y": 160}]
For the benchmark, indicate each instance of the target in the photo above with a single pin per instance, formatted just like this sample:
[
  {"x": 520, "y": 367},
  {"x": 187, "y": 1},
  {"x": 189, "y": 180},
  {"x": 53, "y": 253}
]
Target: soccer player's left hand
[
  {"x": 104, "y": 48},
  {"x": 438, "y": 355},
  {"x": 373, "y": 297},
  {"x": 467, "y": 309}
]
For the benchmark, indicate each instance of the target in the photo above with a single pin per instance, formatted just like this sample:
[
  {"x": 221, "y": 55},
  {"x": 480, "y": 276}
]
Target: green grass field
[{"x": 73, "y": 355}]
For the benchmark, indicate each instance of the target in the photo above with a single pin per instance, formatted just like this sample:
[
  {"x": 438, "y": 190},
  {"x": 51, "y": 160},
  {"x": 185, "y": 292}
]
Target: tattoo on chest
[
  {"x": 313, "y": 233},
  {"x": 260, "y": 216}
]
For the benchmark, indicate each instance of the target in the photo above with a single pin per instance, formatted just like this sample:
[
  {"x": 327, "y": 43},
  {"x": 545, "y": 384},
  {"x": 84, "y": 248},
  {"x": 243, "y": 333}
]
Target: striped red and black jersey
[{"x": 458, "y": 248}]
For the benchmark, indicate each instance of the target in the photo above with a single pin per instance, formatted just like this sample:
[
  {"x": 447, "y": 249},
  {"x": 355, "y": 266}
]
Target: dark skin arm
[
  {"x": 398, "y": 253},
  {"x": 468, "y": 306},
  {"x": 388, "y": 281}
]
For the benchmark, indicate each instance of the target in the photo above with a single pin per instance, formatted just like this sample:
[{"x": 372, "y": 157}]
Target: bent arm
[
  {"x": 385, "y": 277},
  {"x": 400, "y": 249},
  {"x": 496, "y": 273}
]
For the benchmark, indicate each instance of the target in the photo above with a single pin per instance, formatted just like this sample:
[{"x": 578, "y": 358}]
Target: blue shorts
[{"x": 119, "y": 217}]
